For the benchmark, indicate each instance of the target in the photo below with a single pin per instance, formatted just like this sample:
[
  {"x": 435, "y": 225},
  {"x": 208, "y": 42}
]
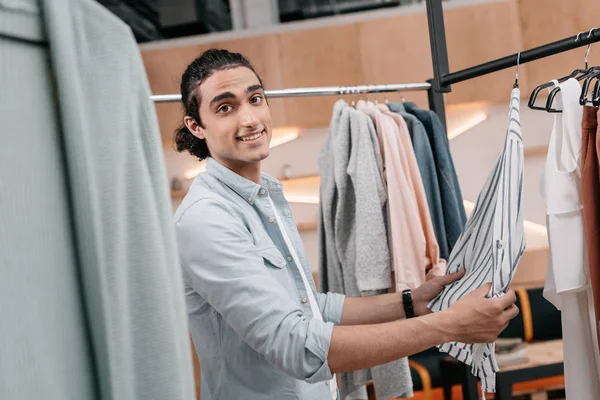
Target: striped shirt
[{"x": 491, "y": 245}]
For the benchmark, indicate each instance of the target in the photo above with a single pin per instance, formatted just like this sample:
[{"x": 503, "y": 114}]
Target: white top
[
  {"x": 491, "y": 245},
  {"x": 314, "y": 306},
  {"x": 567, "y": 281}
]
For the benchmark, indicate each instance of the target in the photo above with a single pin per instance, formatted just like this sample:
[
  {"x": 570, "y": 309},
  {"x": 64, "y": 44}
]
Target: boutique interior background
[{"x": 392, "y": 46}]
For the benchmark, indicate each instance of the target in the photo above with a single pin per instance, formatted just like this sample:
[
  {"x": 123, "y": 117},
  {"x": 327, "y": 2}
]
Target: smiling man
[{"x": 260, "y": 328}]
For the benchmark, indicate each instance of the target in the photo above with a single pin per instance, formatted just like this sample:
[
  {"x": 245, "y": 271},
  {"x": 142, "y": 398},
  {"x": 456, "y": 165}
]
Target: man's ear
[{"x": 194, "y": 127}]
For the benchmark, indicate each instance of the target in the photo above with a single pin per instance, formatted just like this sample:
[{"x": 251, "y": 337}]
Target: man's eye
[
  {"x": 256, "y": 99},
  {"x": 224, "y": 108}
]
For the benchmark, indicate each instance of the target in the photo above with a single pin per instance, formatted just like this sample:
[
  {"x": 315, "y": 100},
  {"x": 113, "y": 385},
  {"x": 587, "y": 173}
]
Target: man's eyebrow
[
  {"x": 219, "y": 97},
  {"x": 254, "y": 88}
]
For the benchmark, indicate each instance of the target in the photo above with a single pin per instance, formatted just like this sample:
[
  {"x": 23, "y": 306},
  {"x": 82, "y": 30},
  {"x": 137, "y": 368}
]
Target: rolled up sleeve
[
  {"x": 331, "y": 306},
  {"x": 227, "y": 270}
]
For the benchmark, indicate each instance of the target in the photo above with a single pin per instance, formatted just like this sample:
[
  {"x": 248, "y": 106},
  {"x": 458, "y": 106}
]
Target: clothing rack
[
  {"x": 443, "y": 79},
  {"x": 322, "y": 91}
]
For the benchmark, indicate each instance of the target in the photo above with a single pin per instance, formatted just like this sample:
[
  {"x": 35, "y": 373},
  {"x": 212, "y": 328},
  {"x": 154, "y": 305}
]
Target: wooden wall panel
[
  {"x": 396, "y": 50},
  {"x": 165, "y": 67},
  {"x": 555, "y": 20},
  {"x": 478, "y": 34},
  {"x": 319, "y": 57}
]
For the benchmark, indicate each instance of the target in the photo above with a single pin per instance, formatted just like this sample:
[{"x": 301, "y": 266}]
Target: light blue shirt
[{"x": 250, "y": 317}]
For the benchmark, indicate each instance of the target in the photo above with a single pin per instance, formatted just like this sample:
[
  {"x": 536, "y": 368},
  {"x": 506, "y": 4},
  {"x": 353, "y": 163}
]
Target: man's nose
[{"x": 249, "y": 117}]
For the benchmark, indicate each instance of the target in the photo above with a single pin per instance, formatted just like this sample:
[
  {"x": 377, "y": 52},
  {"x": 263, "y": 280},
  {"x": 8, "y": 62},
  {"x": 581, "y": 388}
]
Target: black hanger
[
  {"x": 596, "y": 94},
  {"x": 584, "y": 74},
  {"x": 586, "y": 85},
  {"x": 588, "y": 75},
  {"x": 534, "y": 94}
]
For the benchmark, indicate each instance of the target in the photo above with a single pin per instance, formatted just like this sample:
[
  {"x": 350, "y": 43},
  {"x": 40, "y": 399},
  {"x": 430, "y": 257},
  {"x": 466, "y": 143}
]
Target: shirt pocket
[
  {"x": 273, "y": 257},
  {"x": 275, "y": 263}
]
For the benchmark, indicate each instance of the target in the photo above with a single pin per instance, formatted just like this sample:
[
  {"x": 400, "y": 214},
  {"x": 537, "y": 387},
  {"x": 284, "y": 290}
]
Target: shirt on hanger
[
  {"x": 490, "y": 247},
  {"x": 416, "y": 220},
  {"x": 358, "y": 219},
  {"x": 590, "y": 194},
  {"x": 567, "y": 280},
  {"x": 429, "y": 174},
  {"x": 330, "y": 267},
  {"x": 451, "y": 197}
]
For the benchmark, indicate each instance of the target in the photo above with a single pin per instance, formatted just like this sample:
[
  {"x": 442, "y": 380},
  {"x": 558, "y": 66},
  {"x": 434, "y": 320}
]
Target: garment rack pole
[
  {"x": 439, "y": 52},
  {"x": 322, "y": 91},
  {"x": 536, "y": 53},
  {"x": 439, "y": 58}
]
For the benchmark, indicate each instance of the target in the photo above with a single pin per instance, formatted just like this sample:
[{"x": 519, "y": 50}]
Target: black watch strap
[{"x": 408, "y": 303}]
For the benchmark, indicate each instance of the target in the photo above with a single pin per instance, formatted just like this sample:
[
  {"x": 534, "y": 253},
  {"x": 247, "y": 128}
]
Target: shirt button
[
  {"x": 271, "y": 219},
  {"x": 249, "y": 198},
  {"x": 279, "y": 260},
  {"x": 304, "y": 300},
  {"x": 289, "y": 258},
  {"x": 262, "y": 192},
  {"x": 327, "y": 383}
]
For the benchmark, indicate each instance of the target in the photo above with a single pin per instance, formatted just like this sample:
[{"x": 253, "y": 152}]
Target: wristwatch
[{"x": 408, "y": 303}]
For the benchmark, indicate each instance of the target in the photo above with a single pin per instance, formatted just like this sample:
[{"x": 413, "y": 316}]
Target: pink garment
[
  {"x": 434, "y": 265},
  {"x": 415, "y": 251}
]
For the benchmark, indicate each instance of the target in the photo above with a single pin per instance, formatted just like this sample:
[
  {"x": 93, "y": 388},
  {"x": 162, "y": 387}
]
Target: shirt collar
[{"x": 240, "y": 185}]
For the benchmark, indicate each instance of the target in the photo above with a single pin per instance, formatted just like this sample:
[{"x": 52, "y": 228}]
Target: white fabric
[
  {"x": 491, "y": 245},
  {"x": 314, "y": 306},
  {"x": 567, "y": 281}
]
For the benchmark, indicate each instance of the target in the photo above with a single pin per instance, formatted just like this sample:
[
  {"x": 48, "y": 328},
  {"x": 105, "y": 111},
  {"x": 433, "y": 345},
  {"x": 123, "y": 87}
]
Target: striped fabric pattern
[{"x": 490, "y": 247}]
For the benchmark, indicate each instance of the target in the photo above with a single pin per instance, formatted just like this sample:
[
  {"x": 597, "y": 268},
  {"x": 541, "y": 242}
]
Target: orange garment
[
  {"x": 409, "y": 219},
  {"x": 590, "y": 195}
]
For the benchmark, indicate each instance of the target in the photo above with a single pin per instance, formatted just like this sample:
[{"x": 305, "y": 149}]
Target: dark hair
[{"x": 198, "y": 71}]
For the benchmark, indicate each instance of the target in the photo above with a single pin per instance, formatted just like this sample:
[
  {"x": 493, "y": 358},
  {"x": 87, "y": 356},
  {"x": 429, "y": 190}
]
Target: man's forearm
[
  {"x": 364, "y": 346},
  {"x": 373, "y": 309}
]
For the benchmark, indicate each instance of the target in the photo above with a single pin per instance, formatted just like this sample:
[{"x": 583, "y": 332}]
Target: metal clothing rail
[
  {"x": 536, "y": 53},
  {"x": 443, "y": 79},
  {"x": 322, "y": 91}
]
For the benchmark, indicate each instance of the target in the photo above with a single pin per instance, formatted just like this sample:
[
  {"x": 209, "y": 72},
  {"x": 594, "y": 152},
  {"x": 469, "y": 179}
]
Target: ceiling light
[
  {"x": 457, "y": 128},
  {"x": 283, "y": 135}
]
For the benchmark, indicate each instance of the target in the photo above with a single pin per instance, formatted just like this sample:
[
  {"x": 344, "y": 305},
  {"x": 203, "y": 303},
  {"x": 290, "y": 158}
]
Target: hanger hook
[
  {"x": 588, "y": 48},
  {"x": 517, "y": 75}
]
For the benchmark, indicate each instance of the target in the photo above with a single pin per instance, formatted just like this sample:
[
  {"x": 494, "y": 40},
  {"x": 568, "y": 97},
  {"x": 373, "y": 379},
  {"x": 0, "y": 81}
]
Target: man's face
[{"x": 236, "y": 117}]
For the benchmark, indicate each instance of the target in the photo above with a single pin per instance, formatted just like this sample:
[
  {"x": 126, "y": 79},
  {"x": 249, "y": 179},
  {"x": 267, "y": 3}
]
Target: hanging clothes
[
  {"x": 45, "y": 352},
  {"x": 90, "y": 274},
  {"x": 567, "y": 280},
  {"x": 491, "y": 245},
  {"x": 429, "y": 175},
  {"x": 360, "y": 242},
  {"x": 330, "y": 267},
  {"x": 453, "y": 207},
  {"x": 354, "y": 208},
  {"x": 590, "y": 194},
  {"x": 416, "y": 221}
]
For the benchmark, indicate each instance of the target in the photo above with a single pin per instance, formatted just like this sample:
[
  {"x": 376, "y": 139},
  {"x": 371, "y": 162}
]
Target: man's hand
[
  {"x": 426, "y": 292},
  {"x": 478, "y": 319}
]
